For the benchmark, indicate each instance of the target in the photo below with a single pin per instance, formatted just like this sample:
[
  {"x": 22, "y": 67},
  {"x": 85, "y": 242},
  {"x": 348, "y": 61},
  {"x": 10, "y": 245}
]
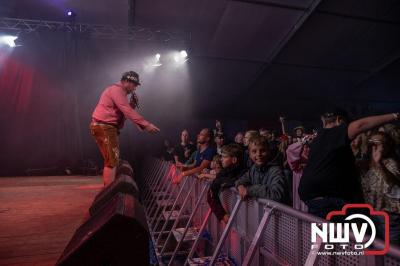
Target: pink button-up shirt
[{"x": 113, "y": 107}]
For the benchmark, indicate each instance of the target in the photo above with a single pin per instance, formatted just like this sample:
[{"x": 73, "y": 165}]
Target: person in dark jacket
[
  {"x": 331, "y": 180},
  {"x": 232, "y": 168},
  {"x": 264, "y": 179}
]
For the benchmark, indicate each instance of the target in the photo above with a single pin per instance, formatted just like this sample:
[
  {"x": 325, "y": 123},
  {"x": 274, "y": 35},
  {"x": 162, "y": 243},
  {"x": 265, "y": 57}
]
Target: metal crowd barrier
[{"x": 259, "y": 231}]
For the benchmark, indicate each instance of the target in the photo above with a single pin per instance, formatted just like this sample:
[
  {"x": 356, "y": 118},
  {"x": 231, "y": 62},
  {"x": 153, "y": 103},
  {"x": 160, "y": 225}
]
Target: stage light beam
[{"x": 8, "y": 40}]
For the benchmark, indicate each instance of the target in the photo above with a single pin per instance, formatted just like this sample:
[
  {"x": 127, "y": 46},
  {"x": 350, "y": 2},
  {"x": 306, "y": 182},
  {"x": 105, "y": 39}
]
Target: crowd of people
[{"x": 316, "y": 172}]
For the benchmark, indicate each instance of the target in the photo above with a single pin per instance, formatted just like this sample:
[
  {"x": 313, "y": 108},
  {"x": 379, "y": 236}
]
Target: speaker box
[
  {"x": 124, "y": 168},
  {"x": 122, "y": 184},
  {"x": 117, "y": 235}
]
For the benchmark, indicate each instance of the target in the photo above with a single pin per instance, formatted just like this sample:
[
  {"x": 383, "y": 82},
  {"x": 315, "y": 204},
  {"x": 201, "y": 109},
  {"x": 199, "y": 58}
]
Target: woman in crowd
[{"x": 381, "y": 184}]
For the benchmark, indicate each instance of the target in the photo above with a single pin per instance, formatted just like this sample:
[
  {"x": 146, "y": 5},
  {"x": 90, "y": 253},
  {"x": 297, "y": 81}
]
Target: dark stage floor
[{"x": 38, "y": 216}]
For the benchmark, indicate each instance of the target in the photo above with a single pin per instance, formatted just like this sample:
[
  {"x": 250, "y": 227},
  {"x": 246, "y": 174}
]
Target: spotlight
[
  {"x": 183, "y": 54},
  {"x": 71, "y": 14},
  {"x": 157, "y": 62},
  {"x": 8, "y": 40}
]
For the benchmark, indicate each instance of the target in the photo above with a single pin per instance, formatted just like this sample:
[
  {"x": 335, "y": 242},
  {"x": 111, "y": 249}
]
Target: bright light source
[
  {"x": 183, "y": 54},
  {"x": 181, "y": 57},
  {"x": 8, "y": 40},
  {"x": 156, "y": 61},
  {"x": 71, "y": 14}
]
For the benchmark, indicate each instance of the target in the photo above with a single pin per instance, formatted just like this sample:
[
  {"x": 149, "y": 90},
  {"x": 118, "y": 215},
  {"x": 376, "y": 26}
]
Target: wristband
[{"x": 396, "y": 116}]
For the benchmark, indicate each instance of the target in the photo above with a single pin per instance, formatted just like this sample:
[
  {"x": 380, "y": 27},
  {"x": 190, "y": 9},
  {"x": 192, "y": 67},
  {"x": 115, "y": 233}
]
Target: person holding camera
[
  {"x": 330, "y": 179},
  {"x": 108, "y": 118}
]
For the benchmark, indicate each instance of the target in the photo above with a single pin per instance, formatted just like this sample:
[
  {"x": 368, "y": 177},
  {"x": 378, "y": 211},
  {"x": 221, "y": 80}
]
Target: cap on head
[
  {"x": 131, "y": 76},
  {"x": 336, "y": 112},
  {"x": 299, "y": 127}
]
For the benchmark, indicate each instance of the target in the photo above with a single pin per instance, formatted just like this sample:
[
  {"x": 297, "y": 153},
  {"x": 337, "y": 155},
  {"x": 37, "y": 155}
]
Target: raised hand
[{"x": 151, "y": 129}]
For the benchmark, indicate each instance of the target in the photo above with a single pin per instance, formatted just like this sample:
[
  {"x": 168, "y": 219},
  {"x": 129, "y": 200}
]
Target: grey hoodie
[{"x": 267, "y": 181}]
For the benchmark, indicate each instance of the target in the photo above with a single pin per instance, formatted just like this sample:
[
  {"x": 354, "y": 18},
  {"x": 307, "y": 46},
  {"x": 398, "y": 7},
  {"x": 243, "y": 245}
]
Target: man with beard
[
  {"x": 205, "y": 154},
  {"x": 109, "y": 117}
]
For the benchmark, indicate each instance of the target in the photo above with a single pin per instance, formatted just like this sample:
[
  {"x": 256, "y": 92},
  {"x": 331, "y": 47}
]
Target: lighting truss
[{"x": 93, "y": 30}]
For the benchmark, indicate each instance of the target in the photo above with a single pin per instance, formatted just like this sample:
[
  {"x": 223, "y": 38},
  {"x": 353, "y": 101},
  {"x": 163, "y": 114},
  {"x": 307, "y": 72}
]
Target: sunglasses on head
[{"x": 375, "y": 141}]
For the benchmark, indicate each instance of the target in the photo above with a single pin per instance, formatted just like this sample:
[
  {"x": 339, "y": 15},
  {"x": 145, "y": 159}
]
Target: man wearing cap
[
  {"x": 330, "y": 179},
  {"x": 109, "y": 116}
]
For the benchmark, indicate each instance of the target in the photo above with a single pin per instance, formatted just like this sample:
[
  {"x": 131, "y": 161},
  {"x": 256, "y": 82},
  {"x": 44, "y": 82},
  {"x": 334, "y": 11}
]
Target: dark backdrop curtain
[{"x": 40, "y": 125}]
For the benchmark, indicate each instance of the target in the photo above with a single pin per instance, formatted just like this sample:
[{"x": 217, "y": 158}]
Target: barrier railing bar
[
  {"x": 159, "y": 206},
  {"x": 266, "y": 253},
  {"x": 165, "y": 207},
  {"x": 154, "y": 183},
  {"x": 226, "y": 231},
  {"x": 257, "y": 237},
  {"x": 177, "y": 219},
  {"x": 312, "y": 258},
  {"x": 151, "y": 175},
  {"x": 200, "y": 197},
  {"x": 173, "y": 207},
  {"x": 302, "y": 219},
  {"x": 165, "y": 182},
  {"x": 196, "y": 242}
]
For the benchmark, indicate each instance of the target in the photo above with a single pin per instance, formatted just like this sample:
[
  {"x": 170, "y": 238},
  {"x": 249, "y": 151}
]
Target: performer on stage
[{"x": 109, "y": 116}]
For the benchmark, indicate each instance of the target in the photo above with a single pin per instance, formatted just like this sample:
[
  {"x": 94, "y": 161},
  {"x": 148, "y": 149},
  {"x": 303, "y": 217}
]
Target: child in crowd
[
  {"x": 264, "y": 179},
  {"x": 216, "y": 166},
  {"x": 247, "y": 136},
  {"x": 232, "y": 168}
]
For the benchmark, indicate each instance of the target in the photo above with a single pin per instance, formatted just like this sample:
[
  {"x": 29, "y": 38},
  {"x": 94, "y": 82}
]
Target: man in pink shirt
[{"x": 109, "y": 116}]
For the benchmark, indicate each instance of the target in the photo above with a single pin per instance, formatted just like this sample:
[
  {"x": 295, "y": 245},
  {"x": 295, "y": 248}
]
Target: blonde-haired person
[{"x": 264, "y": 179}]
